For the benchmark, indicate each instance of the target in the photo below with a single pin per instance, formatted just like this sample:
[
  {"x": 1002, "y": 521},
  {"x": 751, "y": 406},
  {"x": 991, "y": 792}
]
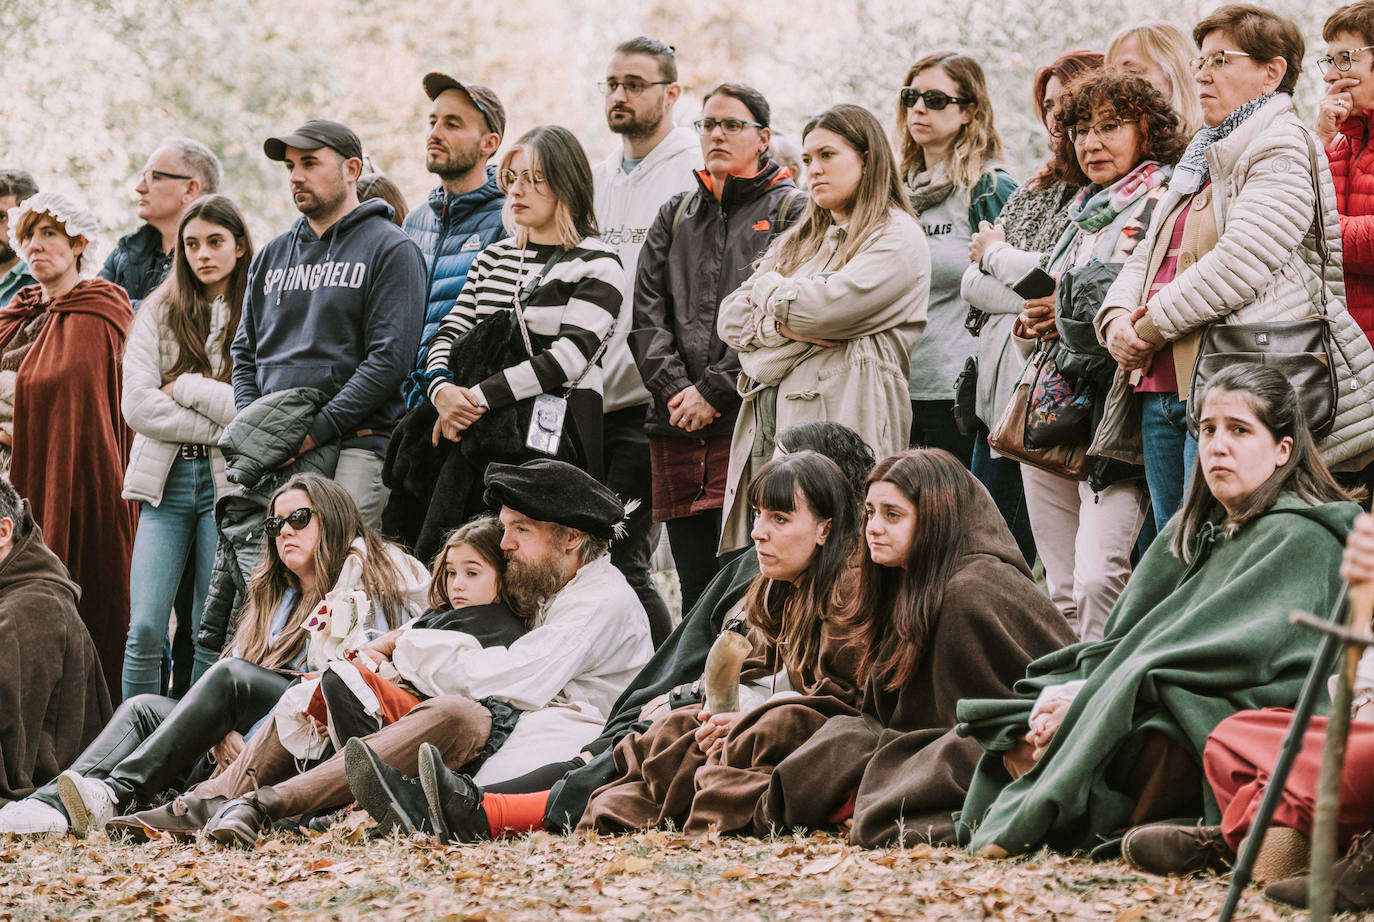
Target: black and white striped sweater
[{"x": 571, "y": 311}]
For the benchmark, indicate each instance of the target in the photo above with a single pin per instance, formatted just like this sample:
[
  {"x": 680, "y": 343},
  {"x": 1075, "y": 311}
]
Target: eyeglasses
[
  {"x": 148, "y": 177},
  {"x": 534, "y": 181},
  {"x": 731, "y": 126},
  {"x": 1105, "y": 131},
  {"x": 1341, "y": 60},
  {"x": 934, "y": 99},
  {"x": 1216, "y": 60},
  {"x": 632, "y": 88},
  {"x": 297, "y": 519}
]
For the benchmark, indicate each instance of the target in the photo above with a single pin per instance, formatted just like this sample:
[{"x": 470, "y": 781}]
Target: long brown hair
[
  {"x": 898, "y": 605},
  {"x": 791, "y": 616},
  {"x": 483, "y": 535},
  {"x": 880, "y": 190},
  {"x": 340, "y": 525},
  {"x": 977, "y": 144},
  {"x": 1272, "y": 399},
  {"x": 181, "y": 298},
  {"x": 1065, "y": 68}
]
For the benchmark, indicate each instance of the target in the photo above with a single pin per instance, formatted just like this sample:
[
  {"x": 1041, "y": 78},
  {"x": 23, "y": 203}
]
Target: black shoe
[
  {"x": 181, "y": 819},
  {"x": 455, "y": 803},
  {"x": 395, "y": 801}
]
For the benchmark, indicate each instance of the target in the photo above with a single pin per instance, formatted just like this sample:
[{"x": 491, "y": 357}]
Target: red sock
[
  {"x": 846, "y": 809},
  {"x": 515, "y": 812}
]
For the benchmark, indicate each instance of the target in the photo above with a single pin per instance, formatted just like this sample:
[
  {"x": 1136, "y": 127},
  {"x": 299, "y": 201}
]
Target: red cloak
[{"x": 71, "y": 445}]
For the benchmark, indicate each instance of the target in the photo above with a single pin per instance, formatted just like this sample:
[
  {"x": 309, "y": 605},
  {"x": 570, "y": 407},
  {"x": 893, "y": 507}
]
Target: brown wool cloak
[
  {"x": 910, "y": 768},
  {"x": 53, "y": 699},
  {"x": 663, "y": 776},
  {"x": 71, "y": 445}
]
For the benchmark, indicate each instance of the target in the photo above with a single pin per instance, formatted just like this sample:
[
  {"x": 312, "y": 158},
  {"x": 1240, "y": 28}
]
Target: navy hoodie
[{"x": 341, "y": 313}]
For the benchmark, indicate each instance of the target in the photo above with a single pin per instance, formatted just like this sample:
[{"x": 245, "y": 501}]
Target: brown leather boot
[
  {"x": 1352, "y": 881},
  {"x": 1161, "y": 848}
]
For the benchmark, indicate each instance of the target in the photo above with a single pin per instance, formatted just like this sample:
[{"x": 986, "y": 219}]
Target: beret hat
[{"x": 555, "y": 491}]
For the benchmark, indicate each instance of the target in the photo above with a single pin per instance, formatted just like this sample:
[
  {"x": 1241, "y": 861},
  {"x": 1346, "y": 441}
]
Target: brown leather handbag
[
  {"x": 1008, "y": 437},
  {"x": 1301, "y": 349}
]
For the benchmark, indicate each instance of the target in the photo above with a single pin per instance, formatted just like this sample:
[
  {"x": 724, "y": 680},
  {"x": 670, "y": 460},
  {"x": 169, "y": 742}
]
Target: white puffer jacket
[
  {"x": 197, "y": 415},
  {"x": 1264, "y": 267}
]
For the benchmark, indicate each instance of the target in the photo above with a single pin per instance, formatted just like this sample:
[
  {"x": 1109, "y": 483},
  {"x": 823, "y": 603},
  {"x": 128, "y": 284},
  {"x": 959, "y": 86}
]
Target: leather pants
[{"x": 152, "y": 743}]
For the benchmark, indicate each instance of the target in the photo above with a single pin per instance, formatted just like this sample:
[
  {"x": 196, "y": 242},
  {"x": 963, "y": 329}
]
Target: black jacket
[
  {"x": 683, "y": 276},
  {"x": 137, "y": 263}
]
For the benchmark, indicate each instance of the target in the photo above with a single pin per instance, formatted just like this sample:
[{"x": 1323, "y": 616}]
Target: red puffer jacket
[{"x": 1352, "y": 168}]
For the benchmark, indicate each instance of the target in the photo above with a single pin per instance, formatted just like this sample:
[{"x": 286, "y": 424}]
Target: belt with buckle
[{"x": 194, "y": 452}]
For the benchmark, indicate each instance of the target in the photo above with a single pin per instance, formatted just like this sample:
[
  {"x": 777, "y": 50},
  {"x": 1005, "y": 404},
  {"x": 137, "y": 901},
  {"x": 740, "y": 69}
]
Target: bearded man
[
  {"x": 590, "y": 637},
  {"x": 335, "y": 303}
]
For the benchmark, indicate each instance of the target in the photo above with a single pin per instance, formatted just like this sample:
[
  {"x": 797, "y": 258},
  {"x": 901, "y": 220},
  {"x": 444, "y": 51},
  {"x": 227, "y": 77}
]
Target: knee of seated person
[
  {"x": 454, "y": 708},
  {"x": 228, "y": 671}
]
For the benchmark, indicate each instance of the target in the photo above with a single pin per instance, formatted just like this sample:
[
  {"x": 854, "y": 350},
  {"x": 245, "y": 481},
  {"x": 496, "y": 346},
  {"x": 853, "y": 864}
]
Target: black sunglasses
[
  {"x": 934, "y": 99},
  {"x": 297, "y": 519}
]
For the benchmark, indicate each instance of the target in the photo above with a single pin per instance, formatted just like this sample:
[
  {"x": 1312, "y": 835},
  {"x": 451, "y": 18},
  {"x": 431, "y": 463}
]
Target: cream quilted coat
[
  {"x": 197, "y": 415},
  {"x": 1264, "y": 267}
]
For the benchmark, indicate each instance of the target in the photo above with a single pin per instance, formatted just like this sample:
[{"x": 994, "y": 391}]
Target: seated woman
[
  {"x": 947, "y": 610},
  {"x": 1109, "y": 734},
  {"x": 706, "y": 771},
  {"x": 317, "y": 543}
]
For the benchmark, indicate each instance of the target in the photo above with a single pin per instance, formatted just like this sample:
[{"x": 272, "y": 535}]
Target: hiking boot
[
  {"x": 90, "y": 804},
  {"x": 181, "y": 819},
  {"x": 395, "y": 801},
  {"x": 455, "y": 802},
  {"x": 1352, "y": 881},
  {"x": 1161, "y": 848},
  {"x": 243, "y": 820}
]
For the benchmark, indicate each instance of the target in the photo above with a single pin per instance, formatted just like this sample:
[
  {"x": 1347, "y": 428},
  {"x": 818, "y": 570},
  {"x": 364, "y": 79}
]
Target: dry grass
[{"x": 655, "y": 875}]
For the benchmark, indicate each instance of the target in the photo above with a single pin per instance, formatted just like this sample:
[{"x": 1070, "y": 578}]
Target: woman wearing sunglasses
[
  {"x": 948, "y": 150},
  {"x": 317, "y": 545},
  {"x": 1233, "y": 240}
]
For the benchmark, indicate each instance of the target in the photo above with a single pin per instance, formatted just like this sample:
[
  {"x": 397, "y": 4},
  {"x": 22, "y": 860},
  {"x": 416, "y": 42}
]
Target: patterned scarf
[
  {"x": 1096, "y": 206},
  {"x": 1192, "y": 169},
  {"x": 927, "y": 189}
]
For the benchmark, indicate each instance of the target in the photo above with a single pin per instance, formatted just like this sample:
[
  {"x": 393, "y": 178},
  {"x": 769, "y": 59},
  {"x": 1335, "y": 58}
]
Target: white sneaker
[
  {"x": 31, "y": 817},
  {"x": 89, "y": 803}
]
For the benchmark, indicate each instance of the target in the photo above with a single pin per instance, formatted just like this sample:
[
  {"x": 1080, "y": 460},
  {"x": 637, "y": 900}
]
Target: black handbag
[
  {"x": 1301, "y": 349},
  {"x": 966, "y": 398}
]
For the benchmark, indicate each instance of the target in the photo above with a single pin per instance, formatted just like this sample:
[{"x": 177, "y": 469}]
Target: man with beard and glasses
[
  {"x": 589, "y": 639},
  {"x": 655, "y": 162},
  {"x": 15, "y": 186},
  {"x": 463, "y": 214},
  {"x": 335, "y": 303}
]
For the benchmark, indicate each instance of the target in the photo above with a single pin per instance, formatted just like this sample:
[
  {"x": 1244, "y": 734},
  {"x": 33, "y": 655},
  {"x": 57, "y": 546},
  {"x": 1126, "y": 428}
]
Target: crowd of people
[{"x": 395, "y": 476}]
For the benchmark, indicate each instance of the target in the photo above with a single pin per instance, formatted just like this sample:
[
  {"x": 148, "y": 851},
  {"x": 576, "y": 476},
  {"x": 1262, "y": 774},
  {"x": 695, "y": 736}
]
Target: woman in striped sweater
[{"x": 562, "y": 281}]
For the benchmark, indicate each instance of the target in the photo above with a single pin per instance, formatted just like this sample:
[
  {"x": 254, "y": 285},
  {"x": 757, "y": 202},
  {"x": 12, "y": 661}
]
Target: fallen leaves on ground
[{"x": 652, "y": 875}]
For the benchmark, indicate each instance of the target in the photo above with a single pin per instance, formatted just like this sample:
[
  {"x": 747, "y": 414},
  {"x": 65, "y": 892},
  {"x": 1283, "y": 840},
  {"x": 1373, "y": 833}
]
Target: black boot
[
  {"x": 395, "y": 801},
  {"x": 455, "y": 802},
  {"x": 243, "y": 820}
]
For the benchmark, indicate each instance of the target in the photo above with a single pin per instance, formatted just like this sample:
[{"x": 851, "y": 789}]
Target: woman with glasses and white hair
[{"x": 1234, "y": 241}]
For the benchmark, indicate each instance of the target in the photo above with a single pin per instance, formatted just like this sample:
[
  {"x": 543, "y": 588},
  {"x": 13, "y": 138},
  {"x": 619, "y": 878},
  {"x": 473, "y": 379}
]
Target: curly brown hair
[{"x": 1130, "y": 98}]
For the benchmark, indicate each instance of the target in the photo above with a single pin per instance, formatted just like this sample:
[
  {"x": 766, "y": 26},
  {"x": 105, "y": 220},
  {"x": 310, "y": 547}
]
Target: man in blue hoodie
[
  {"x": 463, "y": 214},
  {"x": 336, "y": 303}
]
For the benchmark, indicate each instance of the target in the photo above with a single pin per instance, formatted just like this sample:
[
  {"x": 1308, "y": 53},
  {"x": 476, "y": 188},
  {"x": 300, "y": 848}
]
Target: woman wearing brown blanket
[
  {"x": 707, "y": 771},
  {"x": 947, "y": 610}
]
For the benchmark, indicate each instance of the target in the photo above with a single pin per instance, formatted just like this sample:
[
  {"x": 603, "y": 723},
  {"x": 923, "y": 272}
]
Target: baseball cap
[
  {"x": 484, "y": 98},
  {"x": 314, "y": 134}
]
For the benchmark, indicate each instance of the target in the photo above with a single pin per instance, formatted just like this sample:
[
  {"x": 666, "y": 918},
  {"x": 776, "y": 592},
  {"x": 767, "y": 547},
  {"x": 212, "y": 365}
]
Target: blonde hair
[
  {"x": 880, "y": 190},
  {"x": 553, "y": 151},
  {"x": 977, "y": 143},
  {"x": 1166, "y": 45}
]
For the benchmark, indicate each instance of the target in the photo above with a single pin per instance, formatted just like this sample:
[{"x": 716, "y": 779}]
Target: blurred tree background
[{"x": 91, "y": 86}]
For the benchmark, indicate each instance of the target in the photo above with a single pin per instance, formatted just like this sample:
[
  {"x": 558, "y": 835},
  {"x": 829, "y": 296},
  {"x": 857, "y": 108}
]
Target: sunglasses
[
  {"x": 934, "y": 99},
  {"x": 297, "y": 519}
]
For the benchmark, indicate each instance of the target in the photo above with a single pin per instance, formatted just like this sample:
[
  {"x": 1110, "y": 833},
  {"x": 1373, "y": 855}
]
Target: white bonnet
[{"x": 71, "y": 214}]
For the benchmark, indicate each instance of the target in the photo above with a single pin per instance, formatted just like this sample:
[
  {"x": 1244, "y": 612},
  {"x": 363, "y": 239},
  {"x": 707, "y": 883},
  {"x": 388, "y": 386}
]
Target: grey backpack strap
[{"x": 681, "y": 211}]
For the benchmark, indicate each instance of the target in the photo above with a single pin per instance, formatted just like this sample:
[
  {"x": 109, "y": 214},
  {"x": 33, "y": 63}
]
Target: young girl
[
  {"x": 825, "y": 326},
  {"x": 177, "y": 398}
]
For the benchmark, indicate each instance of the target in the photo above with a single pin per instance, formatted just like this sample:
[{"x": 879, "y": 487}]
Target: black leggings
[
  {"x": 541, "y": 779},
  {"x": 152, "y": 743}
]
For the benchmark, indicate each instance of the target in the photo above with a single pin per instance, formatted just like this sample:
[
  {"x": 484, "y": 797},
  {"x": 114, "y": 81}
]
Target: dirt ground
[{"x": 340, "y": 875}]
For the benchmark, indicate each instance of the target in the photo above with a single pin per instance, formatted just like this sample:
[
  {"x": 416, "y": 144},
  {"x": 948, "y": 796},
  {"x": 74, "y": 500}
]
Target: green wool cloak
[{"x": 1184, "y": 648}]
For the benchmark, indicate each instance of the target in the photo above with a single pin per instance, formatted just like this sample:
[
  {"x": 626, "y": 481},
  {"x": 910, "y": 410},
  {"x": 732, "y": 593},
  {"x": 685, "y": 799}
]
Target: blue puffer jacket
[{"x": 450, "y": 231}]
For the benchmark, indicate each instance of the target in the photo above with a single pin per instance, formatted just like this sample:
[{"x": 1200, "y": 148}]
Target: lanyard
[{"x": 522, "y": 296}]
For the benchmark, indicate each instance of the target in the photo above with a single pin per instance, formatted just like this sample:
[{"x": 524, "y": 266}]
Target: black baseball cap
[
  {"x": 314, "y": 134},
  {"x": 483, "y": 97}
]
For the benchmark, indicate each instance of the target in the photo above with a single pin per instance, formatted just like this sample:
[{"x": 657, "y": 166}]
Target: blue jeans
[
  {"x": 168, "y": 534},
  {"x": 1170, "y": 452}
]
